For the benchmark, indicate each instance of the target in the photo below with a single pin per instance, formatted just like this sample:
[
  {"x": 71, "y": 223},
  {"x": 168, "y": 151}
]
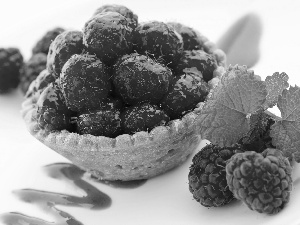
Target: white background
[{"x": 164, "y": 199}]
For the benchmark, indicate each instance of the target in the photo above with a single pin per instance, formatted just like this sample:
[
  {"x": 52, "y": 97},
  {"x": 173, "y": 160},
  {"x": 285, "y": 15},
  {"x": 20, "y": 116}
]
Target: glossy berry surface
[
  {"x": 198, "y": 62},
  {"x": 137, "y": 78},
  {"x": 185, "y": 93},
  {"x": 100, "y": 123},
  {"x": 85, "y": 83},
  {"x": 142, "y": 117},
  {"x": 62, "y": 48},
  {"x": 159, "y": 41},
  {"x": 108, "y": 35}
]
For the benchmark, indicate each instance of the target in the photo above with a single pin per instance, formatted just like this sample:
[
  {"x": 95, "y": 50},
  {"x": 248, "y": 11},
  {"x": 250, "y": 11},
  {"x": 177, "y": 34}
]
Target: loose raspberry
[
  {"x": 11, "y": 62},
  {"x": 261, "y": 180},
  {"x": 207, "y": 176}
]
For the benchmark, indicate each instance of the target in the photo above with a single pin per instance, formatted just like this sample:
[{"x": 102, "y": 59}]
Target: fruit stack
[{"x": 118, "y": 98}]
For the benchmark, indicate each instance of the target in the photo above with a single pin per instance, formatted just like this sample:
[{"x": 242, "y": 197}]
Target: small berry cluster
[
  {"x": 121, "y": 76},
  {"x": 260, "y": 179}
]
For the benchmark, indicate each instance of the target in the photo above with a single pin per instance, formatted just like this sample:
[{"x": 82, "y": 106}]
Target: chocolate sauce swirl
[{"x": 94, "y": 198}]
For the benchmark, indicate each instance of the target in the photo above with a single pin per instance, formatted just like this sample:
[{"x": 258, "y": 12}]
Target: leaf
[
  {"x": 275, "y": 85},
  {"x": 241, "y": 41},
  {"x": 286, "y": 132},
  {"x": 225, "y": 116},
  {"x": 258, "y": 138}
]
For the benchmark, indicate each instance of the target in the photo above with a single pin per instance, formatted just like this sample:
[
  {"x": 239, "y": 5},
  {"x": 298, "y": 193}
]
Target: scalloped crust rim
[{"x": 126, "y": 157}]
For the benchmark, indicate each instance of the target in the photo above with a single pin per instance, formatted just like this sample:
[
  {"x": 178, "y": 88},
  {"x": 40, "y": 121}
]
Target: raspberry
[
  {"x": 108, "y": 35},
  {"x": 190, "y": 37},
  {"x": 160, "y": 41},
  {"x": 100, "y": 123},
  {"x": 138, "y": 78},
  {"x": 32, "y": 69},
  {"x": 85, "y": 83},
  {"x": 11, "y": 62},
  {"x": 261, "y": 180},
  {"x": 42, "y": 46},
  {"x": 207, "y": 175},
  {"x": 124, "y": 11},
  {"x": 40, "y": 82},
  {"x": 52, "y": 113},
  {"x": 198, "y": 62},
  {"x": 62, "y": 48},
  {"x": 142, "y": 117},
  {"x": 185, "y": 93}
]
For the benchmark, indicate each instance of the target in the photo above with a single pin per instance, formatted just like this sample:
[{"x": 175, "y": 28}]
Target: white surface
[{"x": 164, "y": 199}]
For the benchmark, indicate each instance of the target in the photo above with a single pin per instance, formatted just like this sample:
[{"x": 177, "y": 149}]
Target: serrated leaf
[
  {"x": 275, "y": 85},
  {"x": 225, "y": 116},
  {"x": 286, "y": 132}
]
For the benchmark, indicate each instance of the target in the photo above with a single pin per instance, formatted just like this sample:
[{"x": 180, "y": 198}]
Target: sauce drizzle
[{"x": 94, "y": 198}]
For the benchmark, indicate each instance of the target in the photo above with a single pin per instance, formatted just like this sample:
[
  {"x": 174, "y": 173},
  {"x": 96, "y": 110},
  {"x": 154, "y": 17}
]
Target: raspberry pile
[
  {"x": 120, "y": 76},
  {"x": 261, "y": 180}
]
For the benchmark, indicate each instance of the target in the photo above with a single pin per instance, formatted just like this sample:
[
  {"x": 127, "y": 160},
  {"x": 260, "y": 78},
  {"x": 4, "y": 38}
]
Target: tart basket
[{"x": 127, "y": 157}]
